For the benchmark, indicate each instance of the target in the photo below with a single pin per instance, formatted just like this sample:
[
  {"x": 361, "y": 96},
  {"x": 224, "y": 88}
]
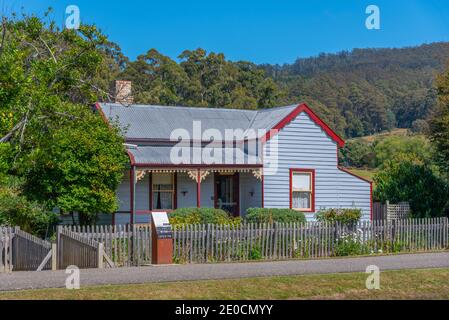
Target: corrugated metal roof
[
  {"x": 169, "y": 155},
  {"x": 158, "y": 122}
]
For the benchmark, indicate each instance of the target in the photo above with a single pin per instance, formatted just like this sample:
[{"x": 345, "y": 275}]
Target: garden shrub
[
  {"x": 184, "y": 216},
  {"x": 345, "y": 216},
  {"x": 351, "y": 244},
  {"x": 16, "y": 210},
  {"x": 266, "y": 215}
]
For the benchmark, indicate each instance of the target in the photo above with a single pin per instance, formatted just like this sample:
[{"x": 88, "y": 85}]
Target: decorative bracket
[
  {"x": 140, "y": 174},
  {"x": 193, "y": 174},
  {"x": 258, "y": 173}
]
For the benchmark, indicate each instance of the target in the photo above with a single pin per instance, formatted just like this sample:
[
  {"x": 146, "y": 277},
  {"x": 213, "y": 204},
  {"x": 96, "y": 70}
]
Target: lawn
[{"x": 408, "y": 284}]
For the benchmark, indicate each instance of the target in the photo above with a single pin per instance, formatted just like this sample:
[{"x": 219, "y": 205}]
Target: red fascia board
[
  {"x": 100, "y": 111},
  {"x": 371, "y": 200},
  {"x": 353, "y": 174},
  {"x": 131, "y": 158},
  {"x": 304, "y": 108},
  {"x": 195, "y": 166}
]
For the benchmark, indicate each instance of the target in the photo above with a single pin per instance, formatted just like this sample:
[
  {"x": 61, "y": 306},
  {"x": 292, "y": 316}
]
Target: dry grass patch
[{"x": 407, "y": 284}]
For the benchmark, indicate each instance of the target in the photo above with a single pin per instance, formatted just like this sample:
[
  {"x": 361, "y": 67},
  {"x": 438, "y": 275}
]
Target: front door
[{"x": 227, "y": 192}]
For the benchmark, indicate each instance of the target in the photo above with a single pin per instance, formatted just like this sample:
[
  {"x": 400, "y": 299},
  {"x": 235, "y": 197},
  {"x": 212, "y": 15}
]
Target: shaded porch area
[{"x": 147, "y": 189}]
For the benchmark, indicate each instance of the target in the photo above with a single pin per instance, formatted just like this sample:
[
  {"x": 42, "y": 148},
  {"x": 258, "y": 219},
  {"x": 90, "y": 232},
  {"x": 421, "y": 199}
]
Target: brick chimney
[{"x": 123, "y": 92}]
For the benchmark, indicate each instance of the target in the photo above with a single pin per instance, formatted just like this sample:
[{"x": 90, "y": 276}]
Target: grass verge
[{"x": 404, "y": 284}]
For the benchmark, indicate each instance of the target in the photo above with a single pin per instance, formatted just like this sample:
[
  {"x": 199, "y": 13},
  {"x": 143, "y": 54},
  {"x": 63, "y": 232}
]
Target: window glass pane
[
  {"x": 301, "y": 200},
  {"x": 301, "y": 181},
  {"x": 162, "y": 181},
  {"x": 163, "y": 200},
  {"x": 162, "y": 178}
]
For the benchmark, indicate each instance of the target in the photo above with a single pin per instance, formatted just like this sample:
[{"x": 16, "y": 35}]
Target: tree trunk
[{"x": 86, "y": 219}]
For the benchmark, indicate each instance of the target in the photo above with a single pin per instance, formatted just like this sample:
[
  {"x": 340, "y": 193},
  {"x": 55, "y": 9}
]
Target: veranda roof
[{"x": 192, "y": 156}]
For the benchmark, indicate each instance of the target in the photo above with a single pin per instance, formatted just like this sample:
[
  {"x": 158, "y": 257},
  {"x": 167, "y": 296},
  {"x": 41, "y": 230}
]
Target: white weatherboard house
[{"x": 294, "y": 163}]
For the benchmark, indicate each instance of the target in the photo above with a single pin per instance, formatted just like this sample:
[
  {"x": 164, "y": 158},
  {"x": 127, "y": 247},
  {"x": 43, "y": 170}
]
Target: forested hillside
[
  {"x": 199, "y": 79},
  {"x": 366, "y": 90}
]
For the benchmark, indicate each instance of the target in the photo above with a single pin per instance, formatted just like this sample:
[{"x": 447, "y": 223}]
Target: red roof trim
[
  {"x": 100, "y": 111},
  {"x": 196, "y": 166},
  {"x": 371, "y": 200},
  {"x": 353, "y": 174},
  {"x": 305, "y": 108},
  {"x": 131, "y": 158}
]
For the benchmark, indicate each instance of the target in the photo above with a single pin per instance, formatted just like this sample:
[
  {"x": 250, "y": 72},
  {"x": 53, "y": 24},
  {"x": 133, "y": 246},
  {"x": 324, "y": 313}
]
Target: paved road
[{"x": 55, "y": 279}]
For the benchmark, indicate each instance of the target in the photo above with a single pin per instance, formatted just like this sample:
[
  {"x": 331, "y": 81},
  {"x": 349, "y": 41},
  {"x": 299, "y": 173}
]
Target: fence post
[
  {"x": 393, "y": 231},
  {"x": 100, "y": 255},
  {"x": 54, "y": 255}
]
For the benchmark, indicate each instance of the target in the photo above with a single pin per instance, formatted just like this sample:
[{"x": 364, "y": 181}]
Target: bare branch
[
  {"x": 96, "y": 88},
  {"x": 48, "y": 48},
  {"x": 9, "y": 135},
  {"x": 2, "y": 44}
]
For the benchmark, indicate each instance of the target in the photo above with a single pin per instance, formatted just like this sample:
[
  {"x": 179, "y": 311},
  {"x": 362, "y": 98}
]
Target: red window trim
[{"x": 312, "y": 171}]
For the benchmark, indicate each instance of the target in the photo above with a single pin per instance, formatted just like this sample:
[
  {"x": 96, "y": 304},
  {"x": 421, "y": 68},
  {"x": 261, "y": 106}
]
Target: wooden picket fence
[
  {"x": 30, "y": 253},
  {"x": 6, "y": 236},
  {"x": 125, "y": 245},
  {"x": 21, "y": 251},
  {"x": 388, "y": 211},
  {"x": 214, "y": 243},
  {"x": 76, "y": 250}
]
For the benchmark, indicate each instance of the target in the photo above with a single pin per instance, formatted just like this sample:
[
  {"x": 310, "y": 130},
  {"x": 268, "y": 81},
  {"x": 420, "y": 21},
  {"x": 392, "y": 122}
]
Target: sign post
[{"x": 162, "y": 238}]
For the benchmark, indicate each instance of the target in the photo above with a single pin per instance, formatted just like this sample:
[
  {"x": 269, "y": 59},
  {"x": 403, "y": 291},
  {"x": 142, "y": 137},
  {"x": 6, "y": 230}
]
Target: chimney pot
[{"x": 123, "y": 92}]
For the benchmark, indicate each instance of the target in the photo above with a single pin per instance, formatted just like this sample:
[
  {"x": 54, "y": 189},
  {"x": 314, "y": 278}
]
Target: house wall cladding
[
  {"x": 302, "y": 144},
  {"x": 249, "y": 184}
]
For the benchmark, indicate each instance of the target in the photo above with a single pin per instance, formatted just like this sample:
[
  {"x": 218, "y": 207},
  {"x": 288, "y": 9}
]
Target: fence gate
[
  {"x": 21, "y": 251},
  {"x": 30, "y": 253},
  {"x": 125, "y": 245}
]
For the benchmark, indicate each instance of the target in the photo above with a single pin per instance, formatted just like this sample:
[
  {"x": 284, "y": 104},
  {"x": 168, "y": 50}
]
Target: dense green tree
[
  {"x": 30, "y": 216},
  {"x": 79, "y": 169},
  {"x": 405, "y": 179},
  {"x": 389, "y": 147},
  {"x": 357, "y": 153},
  {"x": 200, "y": 79},
  {"x": 67, "y": 156},
  {"x": 439, "y": 125}
]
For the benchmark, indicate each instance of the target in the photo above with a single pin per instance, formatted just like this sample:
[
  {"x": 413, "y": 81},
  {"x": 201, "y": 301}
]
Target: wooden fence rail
[
  {"x": 123, "y": 244},
  {"x": 30, "y": 253},
  {"x": 211, "y": 243}
]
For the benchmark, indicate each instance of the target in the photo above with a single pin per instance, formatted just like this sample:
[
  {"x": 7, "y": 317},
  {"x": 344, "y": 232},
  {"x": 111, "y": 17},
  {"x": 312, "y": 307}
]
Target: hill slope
[{"x": 366, "y": 90}]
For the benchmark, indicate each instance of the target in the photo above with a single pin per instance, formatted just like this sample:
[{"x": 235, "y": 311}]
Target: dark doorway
[{"x": 227, "y": 193}]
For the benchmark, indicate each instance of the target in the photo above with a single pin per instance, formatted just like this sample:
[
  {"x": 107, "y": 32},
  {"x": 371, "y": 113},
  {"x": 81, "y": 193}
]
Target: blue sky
[{"x": 261, "y": 31}]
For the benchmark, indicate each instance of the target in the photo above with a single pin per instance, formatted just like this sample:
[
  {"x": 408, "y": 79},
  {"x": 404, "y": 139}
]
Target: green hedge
[
  {"x": 201, "y": 216},
  {"x": 266, "y": 215},
  {"x": 345, "y": 216}
]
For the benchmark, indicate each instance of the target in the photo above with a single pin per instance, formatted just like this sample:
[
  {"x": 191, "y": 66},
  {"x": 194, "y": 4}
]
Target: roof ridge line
[
  {"x": 251, "y": 122},
  {"x": 178, "y": 107}
]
